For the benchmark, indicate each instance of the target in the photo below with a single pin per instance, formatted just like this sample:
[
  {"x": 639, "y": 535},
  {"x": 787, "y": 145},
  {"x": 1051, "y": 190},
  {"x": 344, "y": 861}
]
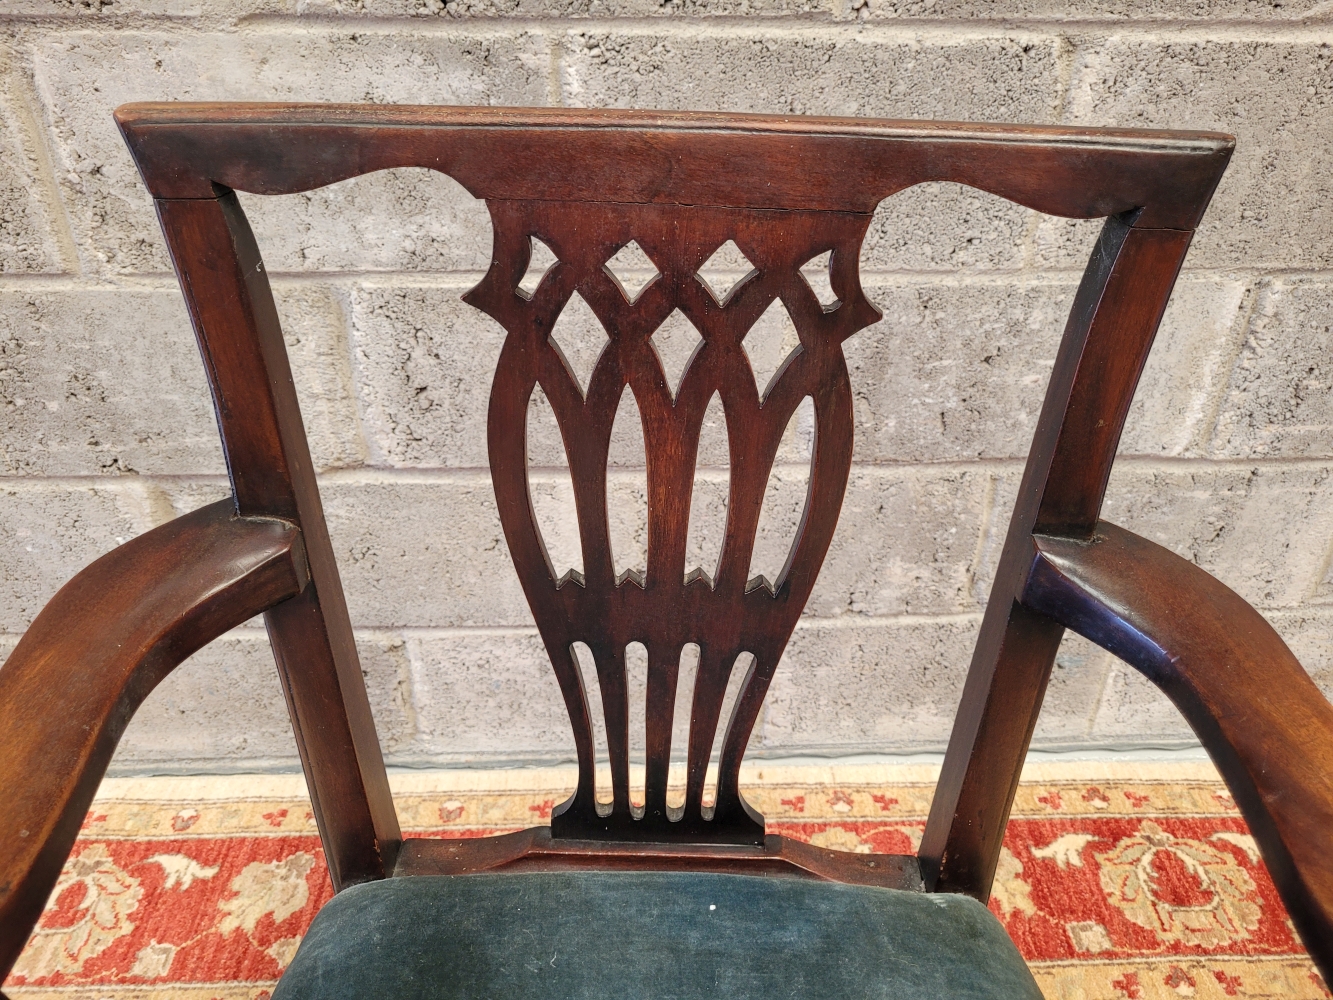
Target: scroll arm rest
[
  {"x": 1263, "y": 721},
  {"x": 88, "y": 661}
]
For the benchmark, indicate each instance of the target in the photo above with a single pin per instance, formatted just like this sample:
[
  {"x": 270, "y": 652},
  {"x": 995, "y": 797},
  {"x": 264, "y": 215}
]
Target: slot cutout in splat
[
  {"x": 627, "y": 493},
  {"x": 725, "y": 271},
  {"x": 675, "y": 342},
  {"x": 817, "y": 273},
  {"x": 769, "y": 343},
  {"x": 785, "y": 499},
  {"x": 680, "y": 730},
  {"x": 636, "y": 686},
  {"x": 709, "y": 497},
  {"x": 740, "y": 668},
  {"x": 579, "y": 338},
  {"x": 551, "y": 492},
  {"x": 632, "y": 270},
  {"x": 540, "y": 262},
  {"x": 592, "y": 694}
]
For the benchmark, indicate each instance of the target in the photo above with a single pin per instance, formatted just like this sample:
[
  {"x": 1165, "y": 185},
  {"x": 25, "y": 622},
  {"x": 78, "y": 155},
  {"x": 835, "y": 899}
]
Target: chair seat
[{"x": 651, "y": 936}]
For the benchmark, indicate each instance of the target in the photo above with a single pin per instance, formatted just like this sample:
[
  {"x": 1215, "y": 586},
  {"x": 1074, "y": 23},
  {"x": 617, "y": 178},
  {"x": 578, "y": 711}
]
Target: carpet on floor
[{"x": 1118, "y": 881}]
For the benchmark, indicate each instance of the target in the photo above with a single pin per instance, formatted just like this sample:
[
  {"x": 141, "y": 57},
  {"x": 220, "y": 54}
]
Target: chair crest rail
[{"x": 690, "y": 158}]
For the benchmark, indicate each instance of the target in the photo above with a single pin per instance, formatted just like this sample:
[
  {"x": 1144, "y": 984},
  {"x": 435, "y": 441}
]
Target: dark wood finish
[
  {"x": 1261, "y": 718},
  {"x": 666, "y": 608},
  {"x": 536, "y": 850},
  {"x": 680, "y": 184},
  {"x": 231, "y": 306},
  {"x": 1111, "y": 327},
  {"x": 91, "y": 657}
]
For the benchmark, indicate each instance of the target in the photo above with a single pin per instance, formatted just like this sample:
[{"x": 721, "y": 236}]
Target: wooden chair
[{"x": 622, "y": 890}]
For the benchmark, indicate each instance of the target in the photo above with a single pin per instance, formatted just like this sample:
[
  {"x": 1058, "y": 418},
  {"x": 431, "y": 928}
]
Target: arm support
[
  {"x": 91, "y": 657},
  {"x": 1266, "y": 726}
]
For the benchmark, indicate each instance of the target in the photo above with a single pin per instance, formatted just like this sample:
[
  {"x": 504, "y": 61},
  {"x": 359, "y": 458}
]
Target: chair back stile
[{"x": 586, "y": 184}]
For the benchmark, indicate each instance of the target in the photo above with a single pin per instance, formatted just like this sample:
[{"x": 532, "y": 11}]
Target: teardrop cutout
[
  {"x": 784, "y": 502},
  {"x": 708, "y": 500},
  {"x": 551, "y": 489},
  {"x": 627, "y": 493}
]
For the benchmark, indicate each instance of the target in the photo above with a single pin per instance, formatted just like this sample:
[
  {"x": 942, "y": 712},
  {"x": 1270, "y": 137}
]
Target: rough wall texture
[{"x": 106, "y": 429}]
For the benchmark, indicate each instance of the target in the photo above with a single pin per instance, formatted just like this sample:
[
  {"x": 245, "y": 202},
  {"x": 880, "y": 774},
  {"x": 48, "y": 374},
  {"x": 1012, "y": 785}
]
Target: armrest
[
  {"x": 1263, "y": 721},
  {"x": 91, "y": 657}
]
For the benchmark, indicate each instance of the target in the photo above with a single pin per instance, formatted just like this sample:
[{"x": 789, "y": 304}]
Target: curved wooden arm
[
  {"x": 1266, "y": 726},
  {"x": 91, "y": 657}
]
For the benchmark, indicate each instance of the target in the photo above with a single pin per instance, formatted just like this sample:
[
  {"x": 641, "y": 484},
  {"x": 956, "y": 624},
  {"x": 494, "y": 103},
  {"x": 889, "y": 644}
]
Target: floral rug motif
[{"x": 1126, "y": 881}]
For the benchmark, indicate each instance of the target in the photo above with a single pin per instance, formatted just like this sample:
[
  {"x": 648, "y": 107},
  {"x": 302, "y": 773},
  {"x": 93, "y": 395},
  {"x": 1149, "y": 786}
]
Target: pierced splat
[{"x": 758, "y": 256}]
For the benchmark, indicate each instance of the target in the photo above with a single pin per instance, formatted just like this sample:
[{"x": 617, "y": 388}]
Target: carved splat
[{"x": 668, "y": 607}]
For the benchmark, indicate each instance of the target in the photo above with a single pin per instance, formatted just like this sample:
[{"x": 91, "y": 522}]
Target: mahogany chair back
[{"x": 586, "y": 184}]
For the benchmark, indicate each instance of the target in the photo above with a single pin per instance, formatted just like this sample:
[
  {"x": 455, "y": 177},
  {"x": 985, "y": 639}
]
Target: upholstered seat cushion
[{"x": 650, "y": 936}]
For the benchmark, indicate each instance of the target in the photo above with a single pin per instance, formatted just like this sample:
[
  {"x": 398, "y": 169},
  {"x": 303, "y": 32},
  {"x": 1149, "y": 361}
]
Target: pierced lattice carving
[{"x": 667, "y": 607}]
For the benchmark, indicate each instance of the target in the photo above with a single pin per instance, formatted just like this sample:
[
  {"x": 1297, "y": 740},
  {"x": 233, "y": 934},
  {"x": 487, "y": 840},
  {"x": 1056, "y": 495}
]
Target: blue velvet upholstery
[{"x": 650, "y": 936}]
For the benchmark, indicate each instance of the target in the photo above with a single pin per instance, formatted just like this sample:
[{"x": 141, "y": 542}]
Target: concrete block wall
[{"x": 106, "y": 429}]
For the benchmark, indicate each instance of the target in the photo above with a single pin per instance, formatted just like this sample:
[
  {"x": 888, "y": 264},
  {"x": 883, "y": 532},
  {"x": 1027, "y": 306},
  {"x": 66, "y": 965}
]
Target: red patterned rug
[{"x": 1117, "y": 881}]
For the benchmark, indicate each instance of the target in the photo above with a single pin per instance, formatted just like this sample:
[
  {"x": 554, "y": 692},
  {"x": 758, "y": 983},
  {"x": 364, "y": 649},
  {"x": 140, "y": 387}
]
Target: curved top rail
[{"x": 687, "y": 158}]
